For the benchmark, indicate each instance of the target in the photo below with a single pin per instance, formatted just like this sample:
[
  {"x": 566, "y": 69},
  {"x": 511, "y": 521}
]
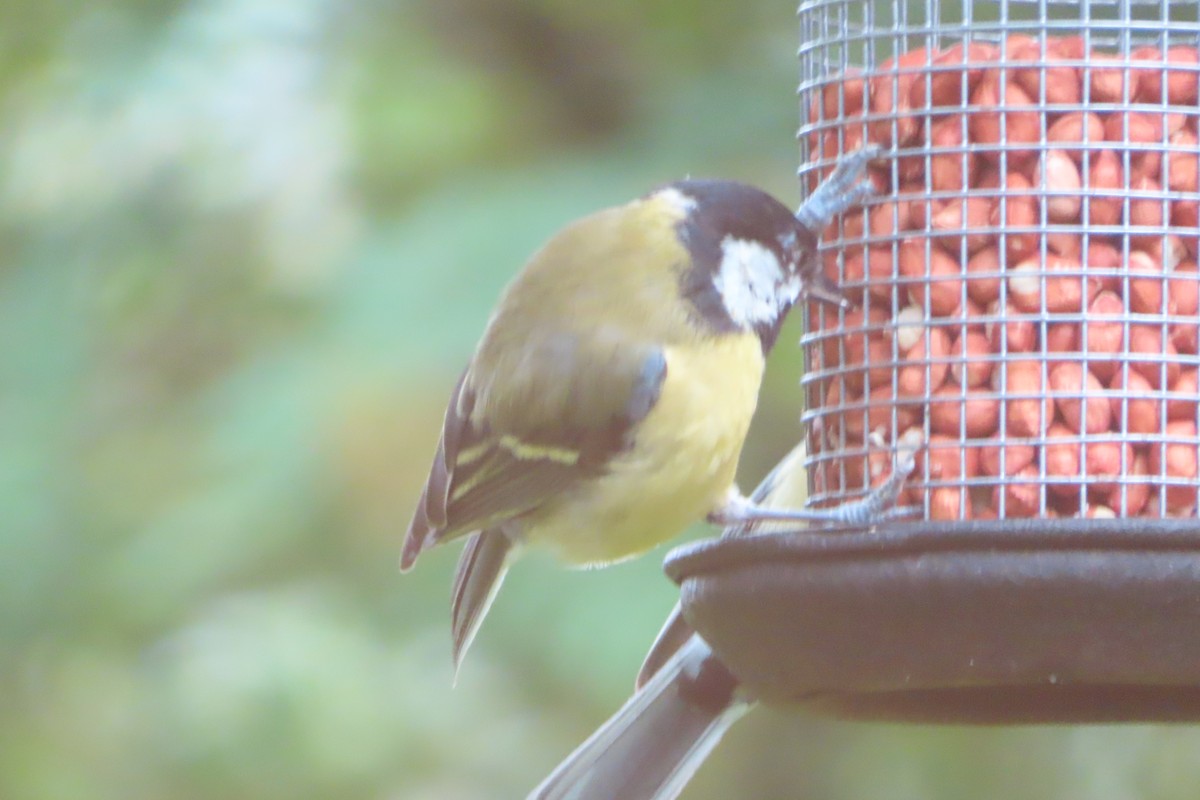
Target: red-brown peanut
[
  {"x": 1018, "y": 124},
  {"x": 1007, "y": 458},
  {"x": 984, "y": 275},
  {"x": 1079, "y": 399},
  {"x": 945, "y": 459},
  {"x": 973, "y": 367},
  {"x": 1063, "y": 292},
  {"x": 1111, "y": 84},
  {"x": 940, "y": 272},
  {"x": 1015, "y": 334},
  {"x": 1105, "y": 176},
  {"x": 1057, "y": 83},
  {"x": 1060, "y": 459},
  {"x": 1145, "y": 283},
  {"x": 889, "y": 95},
  {"x": 948, "y": 503},
  {"x": 1183, "y": 171},
  {"x": 925, "y": 365},
  {"x": 1015, "y": 209},
  {"x": 950, "y": 413},
  {"x": 1177, "y": 460},
  {"x": 1185, "y": 391},
  {"x": 952, "y": 170},
  {"x": 1029, "y": 408},
  {"x": 948, "y": 218},
  {"x": 1071, "y": 130},
  {"x": 1059, "y": 178},
  {"x": 1020, "y": 497},
  {"x": 1106, "y": 460},
  {"x": 1130, "y": 496},
  {"x": 1132, "y": 402},
  {"x": 946, "y": 84},
  {"x": 1105, "y": 331},
  {"x": 1159, "y": 356},
  {"x": 1138, "y": 128}
]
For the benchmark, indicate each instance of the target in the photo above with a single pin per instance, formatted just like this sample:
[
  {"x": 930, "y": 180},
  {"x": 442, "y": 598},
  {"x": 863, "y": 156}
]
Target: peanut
[
  {"x": 1183, "y": 169},
  {"x": 1059, "y": 178},
  {"x": 1074, "y": 129},
  {"x": 1145, "y": 290},
  {"x": 1079, "y": 399},
  {"x": 889, "y": 95},
  {"x": 983, "y": 275},
  {"x": 925, "y": 366},
  {"x": 1014, "y": 335},
  {"x": 1105, "y": 176},
  {"x": 945, "y": 84},
  {"x": 1105, "y": 332},
  {"x": 949, "y": 503},
  {"x": 1104, "y": 461},
  {"x": 1186, "y": 390},
  {"x": 941, "y": 274},
  {"x": 1131, "y": 496},
  {"x": 1147, "y": 340},
  {"x": 945, "y": 459},
  {"x": 1113, "y": 84},
  {"x": 1021, "y": 497},
  {"x": 1060, "y": 459},
  {"x": 974, "y": 369},
  {"x": 1018, "y": 124},
  {"x": 953, "y": 170},
  {"x": 1028, "y": 408},
  {"x": 1014, "y": 210},
  {"x": 1000, "y": 459},
  {"x": 1134, "y": 407},
  {"x": 1176, "y": 458},
  {"x": 978, "y": 414}
]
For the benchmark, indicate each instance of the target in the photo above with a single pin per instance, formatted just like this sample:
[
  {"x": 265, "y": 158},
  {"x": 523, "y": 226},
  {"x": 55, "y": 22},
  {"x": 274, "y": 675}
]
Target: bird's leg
[
  {"x": 839, "y": 192},
  {"x": 876, "y": 507}
]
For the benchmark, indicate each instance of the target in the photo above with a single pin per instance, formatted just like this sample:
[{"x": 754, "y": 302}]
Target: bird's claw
[{"x": 841, "y": 191}]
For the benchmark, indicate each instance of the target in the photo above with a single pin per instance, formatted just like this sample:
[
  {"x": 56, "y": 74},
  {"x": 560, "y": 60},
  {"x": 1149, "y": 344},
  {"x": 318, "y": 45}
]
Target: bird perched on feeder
[{"x": 606, "y": 406}]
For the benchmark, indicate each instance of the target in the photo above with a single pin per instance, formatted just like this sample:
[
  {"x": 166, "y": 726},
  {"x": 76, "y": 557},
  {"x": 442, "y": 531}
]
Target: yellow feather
[
  {"x": 680, "y": 467},
  {"x": 530, "y": 452}
]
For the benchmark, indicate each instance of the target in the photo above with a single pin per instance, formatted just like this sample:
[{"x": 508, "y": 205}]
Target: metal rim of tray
[{"x": 1030, "y": 621}]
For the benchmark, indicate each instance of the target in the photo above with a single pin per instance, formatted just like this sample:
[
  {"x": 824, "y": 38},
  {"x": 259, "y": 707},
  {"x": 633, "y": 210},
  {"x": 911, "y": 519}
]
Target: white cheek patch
[{"x": 752, "y": 283}]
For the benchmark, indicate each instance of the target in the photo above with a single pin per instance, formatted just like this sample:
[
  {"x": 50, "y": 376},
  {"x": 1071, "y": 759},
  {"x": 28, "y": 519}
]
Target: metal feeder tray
[{"x": 982, "y": 622}]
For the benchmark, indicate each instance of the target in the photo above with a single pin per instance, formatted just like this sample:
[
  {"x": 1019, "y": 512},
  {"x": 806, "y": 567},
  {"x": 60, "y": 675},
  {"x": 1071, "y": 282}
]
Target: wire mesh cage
[{"x": 1025, "y": 280}]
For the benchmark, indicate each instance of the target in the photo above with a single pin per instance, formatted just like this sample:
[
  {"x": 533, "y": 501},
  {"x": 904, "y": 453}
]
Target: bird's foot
[
  {"x": 842, "y": 190},
  {"x": 878, "y": 506}
]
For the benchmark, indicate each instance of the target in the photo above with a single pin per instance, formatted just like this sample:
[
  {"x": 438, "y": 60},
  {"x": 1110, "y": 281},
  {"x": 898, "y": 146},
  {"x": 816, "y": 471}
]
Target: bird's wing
[{"x": 527, "y": 430}]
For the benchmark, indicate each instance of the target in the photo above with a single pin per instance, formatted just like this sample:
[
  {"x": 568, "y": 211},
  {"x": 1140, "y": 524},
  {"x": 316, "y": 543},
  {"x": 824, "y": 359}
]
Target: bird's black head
[{"x": 750, "y": 258}]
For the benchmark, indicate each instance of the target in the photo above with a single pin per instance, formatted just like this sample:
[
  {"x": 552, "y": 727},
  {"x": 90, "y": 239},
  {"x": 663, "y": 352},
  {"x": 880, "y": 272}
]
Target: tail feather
[
  {"x": 481, "y": 569},
  {"x": 674, "y": 633},
  {"x": 653, "y": 745}
]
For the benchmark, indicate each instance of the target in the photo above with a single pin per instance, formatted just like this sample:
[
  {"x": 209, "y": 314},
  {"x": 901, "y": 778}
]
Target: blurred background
[{"x": 246, "y": 246}]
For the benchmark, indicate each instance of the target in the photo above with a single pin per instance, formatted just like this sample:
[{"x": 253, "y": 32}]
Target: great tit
[
  {"x": 686, "y": 697},
  {"x": 606, "y": 406}
]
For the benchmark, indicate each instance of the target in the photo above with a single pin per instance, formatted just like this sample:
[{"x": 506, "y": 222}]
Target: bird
[
  {"x": 686, "y": 698},
  {"x": 606, "y": 404}
]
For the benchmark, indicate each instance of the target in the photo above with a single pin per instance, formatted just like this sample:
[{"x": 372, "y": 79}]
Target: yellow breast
[{"x": 681, "y": 464}]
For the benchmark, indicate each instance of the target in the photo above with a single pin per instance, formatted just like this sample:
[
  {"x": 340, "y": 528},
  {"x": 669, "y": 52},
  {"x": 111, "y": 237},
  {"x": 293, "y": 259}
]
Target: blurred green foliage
[{"x": 245, "y": 248}]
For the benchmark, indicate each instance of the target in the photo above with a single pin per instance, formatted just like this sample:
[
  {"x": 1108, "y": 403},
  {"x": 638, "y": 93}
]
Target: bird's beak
[{"x": 819, "y": 287}]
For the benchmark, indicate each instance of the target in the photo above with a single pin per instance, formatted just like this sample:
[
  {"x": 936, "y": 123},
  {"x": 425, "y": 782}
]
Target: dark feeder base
[{"x": 997, "y": 622}]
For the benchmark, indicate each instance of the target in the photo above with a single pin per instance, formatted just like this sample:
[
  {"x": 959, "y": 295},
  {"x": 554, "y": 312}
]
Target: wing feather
[{"x": 483, "y": 477}]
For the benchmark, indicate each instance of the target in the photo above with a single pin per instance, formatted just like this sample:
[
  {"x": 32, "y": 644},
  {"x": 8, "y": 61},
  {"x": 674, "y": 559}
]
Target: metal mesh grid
[{"x": 1026, "y": 280}]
